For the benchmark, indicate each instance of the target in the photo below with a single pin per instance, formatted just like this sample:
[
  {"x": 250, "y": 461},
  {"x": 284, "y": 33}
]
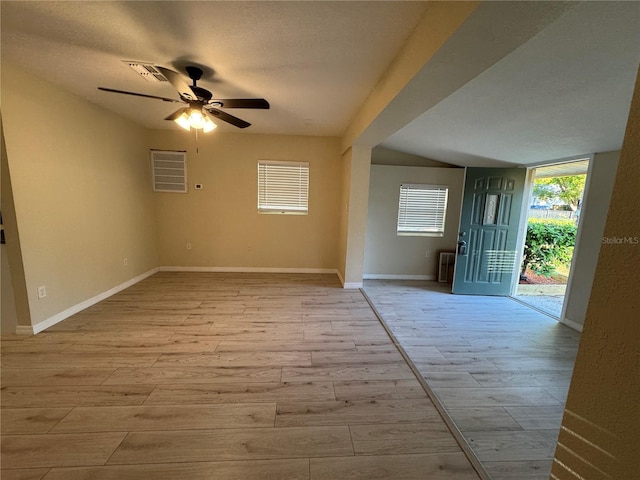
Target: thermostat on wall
[{"x": 198, "y": 186}]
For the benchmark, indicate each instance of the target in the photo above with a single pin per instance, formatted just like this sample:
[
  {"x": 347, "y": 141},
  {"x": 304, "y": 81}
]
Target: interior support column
[
  {"x": 14, "y": 297},
  {"x": 355, "y": 201}
]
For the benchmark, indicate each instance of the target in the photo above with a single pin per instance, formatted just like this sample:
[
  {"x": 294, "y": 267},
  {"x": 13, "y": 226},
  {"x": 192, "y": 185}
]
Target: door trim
[{"x": 522, "y": 228}]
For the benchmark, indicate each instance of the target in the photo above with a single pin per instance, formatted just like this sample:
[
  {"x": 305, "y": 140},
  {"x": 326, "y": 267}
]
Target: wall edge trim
[
  {"x": 58, "y": 317},
  {"x": 248, "y": 270},
  {"x": 24, "y": 330},
  {"x": 571, "y": 324},
  {"x": 390, "y": 276}
]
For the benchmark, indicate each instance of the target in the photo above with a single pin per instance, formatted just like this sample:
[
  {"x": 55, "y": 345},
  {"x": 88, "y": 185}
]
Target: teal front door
[{"x": 489, "y": 226}]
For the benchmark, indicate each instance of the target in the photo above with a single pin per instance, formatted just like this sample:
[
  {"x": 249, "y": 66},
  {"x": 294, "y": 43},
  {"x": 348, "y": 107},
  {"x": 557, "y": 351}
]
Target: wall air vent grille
[{"x": 169, "y": 170}]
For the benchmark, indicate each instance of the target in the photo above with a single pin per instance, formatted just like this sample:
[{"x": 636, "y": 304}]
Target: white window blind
[
  {"x": 422, "y": 209},
  {"x": 283, "y": 187},
  {"x": 169, "y": 170}
]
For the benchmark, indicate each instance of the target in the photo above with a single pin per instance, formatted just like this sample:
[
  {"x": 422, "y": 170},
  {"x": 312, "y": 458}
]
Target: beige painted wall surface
[
  {"x": 221, "y": 221},
  {"x": 602, "y": 173},
  {"x": 599, "y": 435},
  {"x": 80, "y": 183},
  {"x": 386, "y": 253}
]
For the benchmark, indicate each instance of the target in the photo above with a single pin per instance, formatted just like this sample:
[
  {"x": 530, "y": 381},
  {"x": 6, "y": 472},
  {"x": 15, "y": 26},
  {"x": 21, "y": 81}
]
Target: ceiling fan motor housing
[{"x": 194, "y": 73}]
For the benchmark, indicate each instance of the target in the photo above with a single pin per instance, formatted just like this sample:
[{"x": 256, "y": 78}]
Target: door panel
[{"x": 489, "y": 226}]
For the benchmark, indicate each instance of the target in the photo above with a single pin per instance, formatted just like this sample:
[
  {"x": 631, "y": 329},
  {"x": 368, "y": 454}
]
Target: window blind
[
  {"x": 283, "y": 187},
  {"x": 422, "y": 209}
]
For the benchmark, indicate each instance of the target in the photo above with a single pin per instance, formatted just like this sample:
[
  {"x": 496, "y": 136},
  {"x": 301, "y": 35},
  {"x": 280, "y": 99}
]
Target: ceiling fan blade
[
  {"x": 224, "y": 116},
  {"x": 178, "y": 82},
  {"x": 177, "y": 113},
  {"x": 139, "y": 95},
  {"x": 243, "y": 103}
]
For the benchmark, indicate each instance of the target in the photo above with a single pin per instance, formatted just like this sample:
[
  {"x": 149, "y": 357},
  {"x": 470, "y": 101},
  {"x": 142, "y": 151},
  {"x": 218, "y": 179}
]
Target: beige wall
[
  {"x": 386, "y": 253},
  {"x": 600, "y": 179},
  {"x": 222, "y": 222},
  {"x": 80, "y": 182},
  {"x": 599, "y": 435}
]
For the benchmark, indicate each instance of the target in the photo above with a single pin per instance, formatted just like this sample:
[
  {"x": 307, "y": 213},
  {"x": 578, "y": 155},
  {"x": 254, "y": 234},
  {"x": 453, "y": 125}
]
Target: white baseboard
[
  {"x": 248, "y": 270},
  {"x": 571, "y": 324},
  {"x": 348, "y": 285},
  {"x": 58, "y": 317},
  {"x": 389, "y": 276}
]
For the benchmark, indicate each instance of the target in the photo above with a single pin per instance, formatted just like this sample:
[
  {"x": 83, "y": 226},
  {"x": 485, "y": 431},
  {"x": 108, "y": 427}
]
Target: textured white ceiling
[
  {"x": 564, "y": 92},
  {"x": 315, "y": 62}
]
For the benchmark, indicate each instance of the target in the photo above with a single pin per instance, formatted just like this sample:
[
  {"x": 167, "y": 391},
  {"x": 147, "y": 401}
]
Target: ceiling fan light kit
[
  {"x": 194, "y": 118},
  {"x": 200, "y": 100}
]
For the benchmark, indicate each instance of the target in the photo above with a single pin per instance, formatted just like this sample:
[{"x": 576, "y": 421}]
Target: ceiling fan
[{"x": 201, "y": 104}]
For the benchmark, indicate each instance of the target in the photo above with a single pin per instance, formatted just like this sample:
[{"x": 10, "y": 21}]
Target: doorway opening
[{"x": 555, "y": 203}]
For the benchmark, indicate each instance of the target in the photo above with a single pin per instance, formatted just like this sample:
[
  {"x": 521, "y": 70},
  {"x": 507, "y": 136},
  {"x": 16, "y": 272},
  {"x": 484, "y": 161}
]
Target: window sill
[
  {"x": 282, "y": 212},
  {"x": 420, "y": 234}
]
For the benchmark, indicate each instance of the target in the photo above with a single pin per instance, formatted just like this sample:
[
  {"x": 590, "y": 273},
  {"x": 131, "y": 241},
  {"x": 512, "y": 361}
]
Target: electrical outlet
[
  {"x": 125, "y": 261},
  {"x": 198, "y": 186},
  {"x": 188, "y": 245},
  {"x": 427, "y": 253},
  {"x": 42, "y": 292}
]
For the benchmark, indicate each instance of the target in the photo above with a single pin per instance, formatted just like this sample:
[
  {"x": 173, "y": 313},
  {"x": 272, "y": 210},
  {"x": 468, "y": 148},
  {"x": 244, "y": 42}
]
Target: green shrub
[{"x": 549, "y": 244}]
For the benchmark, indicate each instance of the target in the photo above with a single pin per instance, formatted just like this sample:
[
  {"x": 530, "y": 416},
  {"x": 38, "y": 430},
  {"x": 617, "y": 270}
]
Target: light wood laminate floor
[
  {"x": 501, "y": 370},
  {"x": 227, "y": 376}
]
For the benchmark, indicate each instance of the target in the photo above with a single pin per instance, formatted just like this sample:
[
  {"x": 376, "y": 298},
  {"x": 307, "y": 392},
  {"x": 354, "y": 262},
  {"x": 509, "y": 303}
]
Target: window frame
[
  {"x": 406, "y": 219},
  {"x": 285, "y": 201}
]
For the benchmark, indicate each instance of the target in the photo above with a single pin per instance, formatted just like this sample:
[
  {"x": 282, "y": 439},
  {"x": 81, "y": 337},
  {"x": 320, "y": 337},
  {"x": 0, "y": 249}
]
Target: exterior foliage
[
  {"x": 549, "y": 244},
  {"x": 568, "y": 189}
]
